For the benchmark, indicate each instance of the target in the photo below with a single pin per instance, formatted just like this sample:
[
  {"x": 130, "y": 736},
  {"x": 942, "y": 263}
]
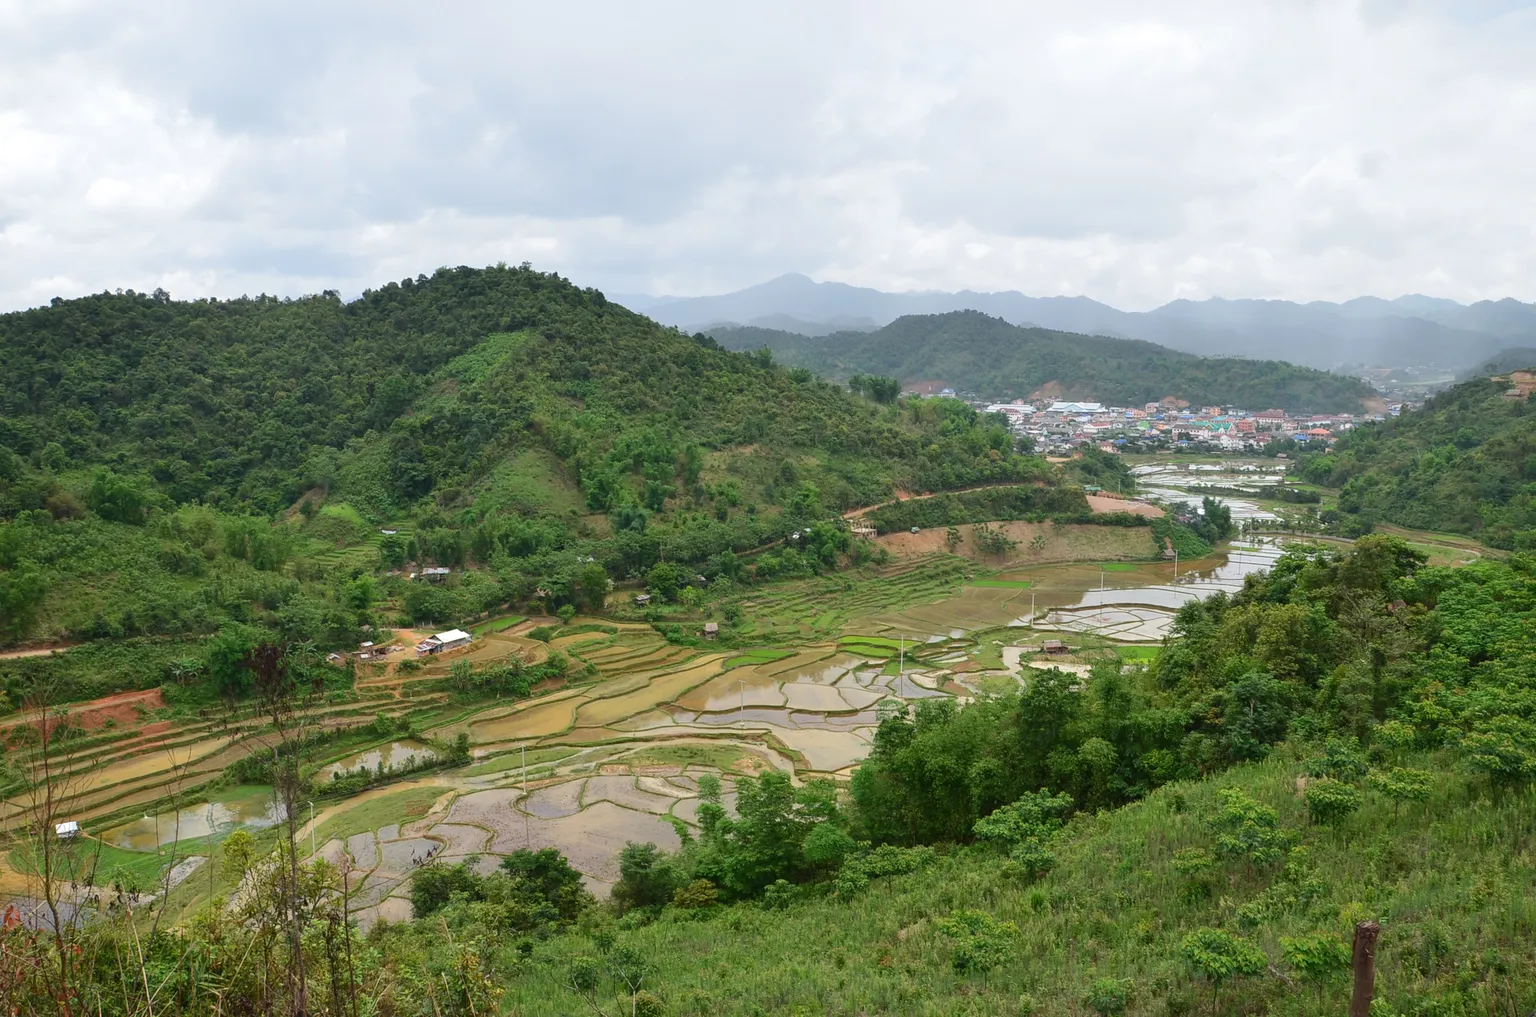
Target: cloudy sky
[{"x": 1131, "y": 151}]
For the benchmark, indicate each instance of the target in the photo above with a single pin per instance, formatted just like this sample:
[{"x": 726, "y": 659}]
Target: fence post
[{"x": 1365, "y": 968}]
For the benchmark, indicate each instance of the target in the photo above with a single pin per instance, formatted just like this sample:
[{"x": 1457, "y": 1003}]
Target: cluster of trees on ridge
[
  {"x": 1464, "y": 462},
  {"x": 170, "y": 466},
  {"x": 974, "y": 352}
]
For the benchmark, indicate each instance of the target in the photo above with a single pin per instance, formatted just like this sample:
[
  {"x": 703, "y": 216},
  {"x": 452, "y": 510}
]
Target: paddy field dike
[{"x": 614, "y": 752}]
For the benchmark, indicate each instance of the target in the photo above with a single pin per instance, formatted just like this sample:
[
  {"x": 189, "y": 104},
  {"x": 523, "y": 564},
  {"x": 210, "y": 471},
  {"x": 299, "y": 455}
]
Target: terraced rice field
[{"x": 616, "y": 756}]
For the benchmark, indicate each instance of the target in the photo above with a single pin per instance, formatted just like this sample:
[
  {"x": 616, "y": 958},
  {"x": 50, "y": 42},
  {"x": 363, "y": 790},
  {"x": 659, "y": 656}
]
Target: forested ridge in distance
[{"x": 987, "y": 356}]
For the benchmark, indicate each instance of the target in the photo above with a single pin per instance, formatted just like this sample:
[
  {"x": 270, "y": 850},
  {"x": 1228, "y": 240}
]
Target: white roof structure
[
  {"x": 69, "y": 829},
  {"x": 453, "y": 636},
  {"x": 1060, "y": 407}
]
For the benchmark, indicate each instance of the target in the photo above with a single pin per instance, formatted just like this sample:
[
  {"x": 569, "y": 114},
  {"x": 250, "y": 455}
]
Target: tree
[
  {"x": 647, "y": 878},
  {"x": 993, "y": 542},
  {"x": 1025, "y": 828},
  {"x": 665, "y": 579},
  {"x": 1247, "y": 828},
  {"x": 952, "y": 538},
  {"x": 236, "y": 854},
  {"x": 549, "y": 873},
  {"x": 228, "y": 651},
  {"x": 592, "y": 586},
  {"x": 1317, "y": 957},
  {"x": 1401, "y": 785},
  {"x": 1503, "y": 747},
  {"x": 1218, "y": 955},
  {"x": 1108, "y": 997},
  {"x": 115, "y": 498},
  {"x": 1330, "y": 801},
  {"x": 22, "y": 589},
  {"x": 981, "y": 941}
]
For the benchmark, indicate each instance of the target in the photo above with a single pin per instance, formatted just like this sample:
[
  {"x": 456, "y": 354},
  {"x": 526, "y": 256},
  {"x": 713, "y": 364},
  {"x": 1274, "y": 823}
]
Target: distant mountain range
[
  {"x": 1408, "y": 331},
  {"x": 983, "y": 355}
]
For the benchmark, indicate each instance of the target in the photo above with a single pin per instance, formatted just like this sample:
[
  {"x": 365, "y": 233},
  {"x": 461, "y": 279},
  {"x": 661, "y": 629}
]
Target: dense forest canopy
[
  {"x": 168, "y": 466},
  {"x": 976, "y": 353},
  {"x": 1465, "y": 461}
]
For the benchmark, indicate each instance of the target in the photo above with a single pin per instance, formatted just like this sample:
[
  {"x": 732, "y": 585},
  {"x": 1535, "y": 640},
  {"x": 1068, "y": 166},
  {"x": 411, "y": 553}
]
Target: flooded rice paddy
[
  {"x": 618, "y": 759},
  {"x": 382, "y": 757},
  {"x": 212, "y": 819}
]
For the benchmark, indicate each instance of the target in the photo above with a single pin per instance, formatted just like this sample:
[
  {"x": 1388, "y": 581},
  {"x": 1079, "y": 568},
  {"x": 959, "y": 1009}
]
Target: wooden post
[{"x": 1365, "y": 968}]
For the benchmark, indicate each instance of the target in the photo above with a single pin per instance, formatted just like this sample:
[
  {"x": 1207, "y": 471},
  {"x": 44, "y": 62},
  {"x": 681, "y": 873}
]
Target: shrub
[{"x": 1330, "y": 801}]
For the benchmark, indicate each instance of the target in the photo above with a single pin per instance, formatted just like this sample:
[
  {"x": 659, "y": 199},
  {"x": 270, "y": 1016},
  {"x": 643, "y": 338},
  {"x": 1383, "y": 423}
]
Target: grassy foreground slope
[
  {"x": 977, "y": 353},
  {"x": 1450, "y": 881},
  {"x": 1464, "y": 462}
]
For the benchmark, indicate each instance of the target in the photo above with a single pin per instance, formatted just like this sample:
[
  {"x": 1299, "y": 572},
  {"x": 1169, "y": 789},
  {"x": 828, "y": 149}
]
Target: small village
[{"x": 1170, "y": 424}]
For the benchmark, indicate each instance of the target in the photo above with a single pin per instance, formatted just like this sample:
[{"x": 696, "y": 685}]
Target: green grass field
[
  {"x": 497, "y": 624},
  {"x": 1458, "y": 913},
  {"x": 396, "y": 807}
]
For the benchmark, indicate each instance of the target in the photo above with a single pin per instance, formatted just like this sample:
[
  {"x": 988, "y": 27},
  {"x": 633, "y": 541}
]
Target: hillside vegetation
[
  {"x": 172, "y": 468},
  {"x": 976, "y": 353},
  {"x": 1350, "y": 737},
  {"x": 1465, "y": 462}
]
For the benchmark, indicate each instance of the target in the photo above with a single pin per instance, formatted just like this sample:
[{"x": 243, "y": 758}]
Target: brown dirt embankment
[{"x": 1071, "y": 542}]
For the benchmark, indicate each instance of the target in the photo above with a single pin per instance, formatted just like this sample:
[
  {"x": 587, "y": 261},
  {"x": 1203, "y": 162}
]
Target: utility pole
[
  {"x": 1031, "y": 608},
  {"x": 312, "y": 850},
  {"x": 741, "y": 705},
  {"x": 1175, "y": 563},
  {"x": 901, "y": 661}
]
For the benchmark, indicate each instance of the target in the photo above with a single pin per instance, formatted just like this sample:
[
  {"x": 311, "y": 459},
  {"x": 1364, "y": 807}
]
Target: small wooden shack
[
  {"x": 1053, "y": 646},
  {"x": 711, "y": 630}
]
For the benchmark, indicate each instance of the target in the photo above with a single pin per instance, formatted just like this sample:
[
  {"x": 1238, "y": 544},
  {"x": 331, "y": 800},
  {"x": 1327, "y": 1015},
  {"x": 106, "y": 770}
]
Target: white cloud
[{"x": 1133, "y": 152}]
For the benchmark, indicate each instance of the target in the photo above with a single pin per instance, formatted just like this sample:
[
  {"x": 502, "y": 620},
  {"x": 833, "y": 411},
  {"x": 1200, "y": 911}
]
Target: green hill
[
  {"x": 979, "y": 354},
  {"x": 1462, "y": 462},
  {"x": 167, "y": 466},
  {"x": 1520, "y": 358}
]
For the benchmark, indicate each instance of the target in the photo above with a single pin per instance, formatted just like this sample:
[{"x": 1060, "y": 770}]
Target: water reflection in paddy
[
  {"x": 395, "y": 754},
  {"x": 1143, "y": 612},
  {"x": 212, "y": 818}
]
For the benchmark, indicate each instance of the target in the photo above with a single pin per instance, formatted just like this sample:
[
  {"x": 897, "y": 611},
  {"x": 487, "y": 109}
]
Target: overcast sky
[{"x": 1134, "y": 152}]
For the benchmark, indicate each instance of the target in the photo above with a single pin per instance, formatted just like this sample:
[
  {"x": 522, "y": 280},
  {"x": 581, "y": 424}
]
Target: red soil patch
[{"x": 122, "y": 710}]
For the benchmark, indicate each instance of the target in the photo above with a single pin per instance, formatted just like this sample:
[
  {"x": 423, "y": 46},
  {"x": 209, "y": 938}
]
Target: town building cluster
[{"x": 1059, "y": 426}]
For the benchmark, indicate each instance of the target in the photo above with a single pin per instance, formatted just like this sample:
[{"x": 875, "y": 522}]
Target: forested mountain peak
[
  {"x": 983, "y": 354},
  {"x": 497, "y": 411}
]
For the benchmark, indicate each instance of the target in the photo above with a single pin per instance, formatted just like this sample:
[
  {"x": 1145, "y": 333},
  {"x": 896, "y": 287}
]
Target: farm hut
[
  {"x": 436, "y": 574},
  {"x": 642, "y": 599},
  {"x": 711, "y": 630},
  {"x": 1053, "y": 646},
  {"x": 67, "y": 831},
  {"x": 452, "y": 639}
]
